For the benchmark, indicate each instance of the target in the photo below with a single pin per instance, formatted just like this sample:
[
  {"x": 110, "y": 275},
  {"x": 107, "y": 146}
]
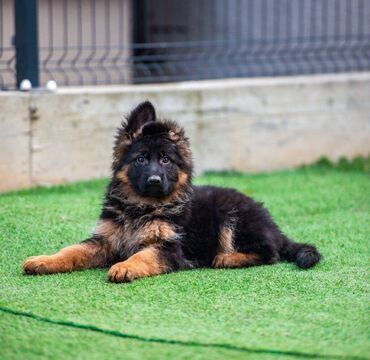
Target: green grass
[{"x": 267, "y": 312}]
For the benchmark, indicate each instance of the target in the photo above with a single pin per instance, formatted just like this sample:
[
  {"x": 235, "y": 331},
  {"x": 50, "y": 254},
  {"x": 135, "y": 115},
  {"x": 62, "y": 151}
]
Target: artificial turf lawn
[{"x": 265, "y": 312}]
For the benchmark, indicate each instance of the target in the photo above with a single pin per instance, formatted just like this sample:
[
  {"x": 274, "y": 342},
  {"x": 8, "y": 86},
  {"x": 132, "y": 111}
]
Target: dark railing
[{"x": 90, "y": 42}]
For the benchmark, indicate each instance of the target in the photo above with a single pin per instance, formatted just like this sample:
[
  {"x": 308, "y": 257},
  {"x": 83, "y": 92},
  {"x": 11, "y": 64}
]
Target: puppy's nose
[{"x": 154, "y": 180}]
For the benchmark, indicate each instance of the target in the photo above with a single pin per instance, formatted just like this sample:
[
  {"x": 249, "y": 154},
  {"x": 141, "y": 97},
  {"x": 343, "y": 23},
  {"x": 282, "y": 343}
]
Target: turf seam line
[{"x": 173, "y": 342}]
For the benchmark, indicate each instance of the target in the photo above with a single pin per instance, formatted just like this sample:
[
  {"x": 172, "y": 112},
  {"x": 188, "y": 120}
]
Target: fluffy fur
[{"x": 155, "y": 221}]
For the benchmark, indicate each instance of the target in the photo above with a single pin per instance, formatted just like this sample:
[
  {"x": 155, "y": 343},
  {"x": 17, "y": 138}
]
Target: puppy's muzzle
[{"x": 154, "y": 180}]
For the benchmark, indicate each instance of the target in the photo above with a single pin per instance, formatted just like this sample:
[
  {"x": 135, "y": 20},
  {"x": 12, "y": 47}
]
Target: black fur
[{"x": 198, "y": 212}]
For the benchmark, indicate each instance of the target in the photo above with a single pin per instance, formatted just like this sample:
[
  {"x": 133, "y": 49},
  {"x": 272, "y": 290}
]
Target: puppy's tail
[{"x": 304, "y": 255}]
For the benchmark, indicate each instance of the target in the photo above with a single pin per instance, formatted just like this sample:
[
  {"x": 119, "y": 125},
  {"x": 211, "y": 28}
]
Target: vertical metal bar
[
  {"x": 325, "y": 21},
  {"x": 250, "y": 20},
  {"x": 237, "y": 46},
  {"x": 312, "y": 23},
  {"x": 121, "y": 43},
  {"x": 224, "y": 29},
  {"x": 76, "y": 58},
  {"x": 139, "y": 23},
  {"x": 139, "y": 31},
  {"x": 312, "y": 40},
  {"x": 50, "y": 54},
  {"x": 1, "y": 41},
  {"x": 325, "y": 34},
  {"x": 265, "y": 63},
  {"x": 360, "y": 22},
  {"x": 250, "y": 37},
  {"x": 264, "y": 19},
  {"x": 348, "y": 20},
  {"x": 149, "y": 22},
  {"x": 93, "y": 42},
  {"x": 275, "y": 27},
  {"x": 288, "y": 41},
  {"x": 107, "y": 43},
  {"x": 348, "y": 33},
  {"x": 301, "y": 37},
  {"x": 337, "y": 20},
  {"x": 301, "y": 15},
  {"x": 276, "y": 18},
  {"x": 337, "y": 36},
  {"x": 158, "y": 16},
  {"x": 60, "y": 67},
  {"x": 26, "y": 41},
  {"x": 199, "y": 32}
]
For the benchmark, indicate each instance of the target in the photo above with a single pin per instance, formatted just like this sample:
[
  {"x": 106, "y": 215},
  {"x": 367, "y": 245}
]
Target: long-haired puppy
[{"x": 155, "y": 221}]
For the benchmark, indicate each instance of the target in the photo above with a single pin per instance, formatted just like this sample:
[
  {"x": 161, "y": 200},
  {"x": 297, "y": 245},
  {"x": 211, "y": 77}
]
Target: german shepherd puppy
[{"x": 155, "y": 221}]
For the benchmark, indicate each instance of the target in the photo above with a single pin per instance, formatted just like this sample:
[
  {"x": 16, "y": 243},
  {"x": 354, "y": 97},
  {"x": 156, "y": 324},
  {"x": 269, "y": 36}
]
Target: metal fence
[{"x": 90, "y": 42}]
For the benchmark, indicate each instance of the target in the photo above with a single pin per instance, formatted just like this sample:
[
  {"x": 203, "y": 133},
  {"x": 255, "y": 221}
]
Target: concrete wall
[
  {"x": 15, "y": 138},
  {"x": 237, "y": 124}
]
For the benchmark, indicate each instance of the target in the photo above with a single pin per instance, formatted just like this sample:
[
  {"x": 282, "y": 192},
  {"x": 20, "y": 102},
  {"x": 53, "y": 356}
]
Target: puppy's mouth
[{"x": 155, "y": 191}]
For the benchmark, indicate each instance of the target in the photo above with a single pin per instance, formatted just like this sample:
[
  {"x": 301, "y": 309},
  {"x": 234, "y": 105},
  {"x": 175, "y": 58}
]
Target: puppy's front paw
[
  {"x": 38, "y": 265},
  {"x": 122, "y": 272}
]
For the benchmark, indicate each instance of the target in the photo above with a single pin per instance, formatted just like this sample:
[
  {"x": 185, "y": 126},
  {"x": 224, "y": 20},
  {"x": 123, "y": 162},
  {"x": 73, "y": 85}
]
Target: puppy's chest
[
  {"x": 130, "y": 236},
  {"x": 151, "y": 232}
]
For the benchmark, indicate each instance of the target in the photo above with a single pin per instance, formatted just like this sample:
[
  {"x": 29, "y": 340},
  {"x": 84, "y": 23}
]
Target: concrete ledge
[
  {"x": 235, "y": 124},
  {"x": 15, "y": 138}
]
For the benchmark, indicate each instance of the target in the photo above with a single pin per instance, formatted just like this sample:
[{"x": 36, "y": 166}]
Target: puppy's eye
[
  {"x": 140, "y": 159},
  {"x": 165, "y": 159}
]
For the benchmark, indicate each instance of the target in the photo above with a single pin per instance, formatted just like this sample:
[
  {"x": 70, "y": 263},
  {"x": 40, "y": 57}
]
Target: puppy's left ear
[{"x": 141, "y": 115}]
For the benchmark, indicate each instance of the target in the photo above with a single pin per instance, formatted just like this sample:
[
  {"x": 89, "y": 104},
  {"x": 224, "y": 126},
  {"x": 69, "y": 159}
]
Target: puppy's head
[{"x": 151, "y": 157}]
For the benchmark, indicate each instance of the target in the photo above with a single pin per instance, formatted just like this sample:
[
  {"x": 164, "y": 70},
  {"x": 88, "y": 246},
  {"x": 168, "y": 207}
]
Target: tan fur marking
[
  {"x": 175, "y": 134},
  {"x": 226, "y": 240},
  {"x": 120, "y": 149},
  {"x": 235, "y": 260},
  {"x": 75, "y": 257},
  {"x": 115, "y": 234},
  {"x": 108, "y": 229},
  {"x": 183, "y": 178},
  {"x": 144, "y": 263},
  {"x": 150, "y": 233},
  {"x": 155, "y": 230},
  {"x": 128, "y": 190},
  {"x": 122, "y": 175}
]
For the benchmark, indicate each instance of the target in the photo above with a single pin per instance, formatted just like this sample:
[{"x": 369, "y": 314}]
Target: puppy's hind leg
[
  {"x": 229, "y": 257},
  {"x": 235, "y": 260}
]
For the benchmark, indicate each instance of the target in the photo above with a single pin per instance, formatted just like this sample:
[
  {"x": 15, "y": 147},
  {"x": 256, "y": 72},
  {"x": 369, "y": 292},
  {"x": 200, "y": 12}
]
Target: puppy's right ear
[
  {"x": 131, "y": 128},
  {"x": 140, "y": 116}
]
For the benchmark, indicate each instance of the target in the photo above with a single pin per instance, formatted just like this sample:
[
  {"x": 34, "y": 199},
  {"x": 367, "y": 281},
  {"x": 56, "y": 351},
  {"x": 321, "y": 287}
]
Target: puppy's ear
[{"x": 141, "y": 115}]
